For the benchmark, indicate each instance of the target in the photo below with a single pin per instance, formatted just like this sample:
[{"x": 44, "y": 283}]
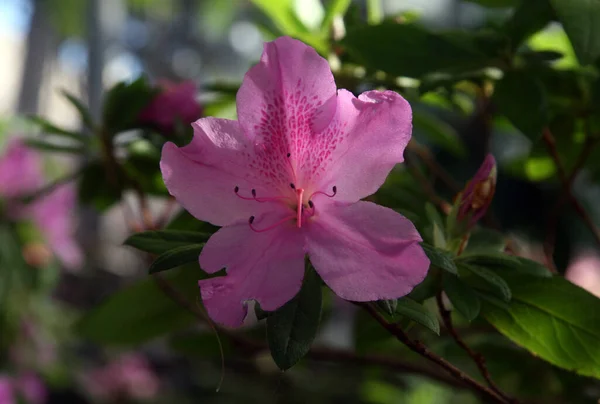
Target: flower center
[{"x": 302, "y": 209}]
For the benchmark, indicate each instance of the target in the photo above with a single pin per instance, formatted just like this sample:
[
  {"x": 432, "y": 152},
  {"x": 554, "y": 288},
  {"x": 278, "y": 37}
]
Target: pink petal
[
  {"x": 20, "y": 170},
  {"x": 6, "y": 390},
  {"x": 366, "y": 252},
  {"x": 267, "y": 267},
  {"x": 373, "y": 131},
  {"x": 54, "y": 215},
  {"x": 203, "y": 174},
  {"x": 279, "y": 103}
]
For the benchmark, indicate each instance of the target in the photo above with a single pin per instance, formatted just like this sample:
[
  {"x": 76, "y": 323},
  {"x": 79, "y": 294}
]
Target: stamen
[
  {"x": 251, "y": 220},
  {"x": 289, "y": 154},
  {"x": 334, "y": 189},
  {"x": 293, "y": 186},
  {"x": 311, "y": 204},
  {"x": 299, "y": 194},
  {"x": 254, "y": 198}
]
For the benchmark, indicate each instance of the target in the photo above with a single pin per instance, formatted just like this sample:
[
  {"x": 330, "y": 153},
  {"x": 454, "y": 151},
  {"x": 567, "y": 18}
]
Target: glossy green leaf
[
  {"x": 581, "y": 20},
  {"x": 505, "y": 264},
  {"x": 124, "y": 103},
  {"x": 54, "y": 148},
  {"x": 486, "y": 280},
  {"x": 485, "y": 241},
  {"x": 176, "y": 257},
  {"x": 406, "y": 50},
  {"x": 462, "y": 296},
  {"x": 554, "y": 319},
  {"x": 521, "y": 97},
  {"x": 142, "y": 311},
  {"x": 440, "y": 258},
  {"x": 161, "y": 241},
  {"x": 292, "y": 328},
  {"x": 416, "y": 312}
]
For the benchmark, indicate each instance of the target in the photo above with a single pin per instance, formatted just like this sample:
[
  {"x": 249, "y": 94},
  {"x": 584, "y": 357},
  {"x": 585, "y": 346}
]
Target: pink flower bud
[
  {"x": 477, "y": 196},
  {"x": 175, "y": 102}
]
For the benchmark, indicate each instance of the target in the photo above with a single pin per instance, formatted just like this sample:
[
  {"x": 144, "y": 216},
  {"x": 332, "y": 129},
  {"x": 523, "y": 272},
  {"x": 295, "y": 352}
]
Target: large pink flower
[{"x": 285, "y": 181}]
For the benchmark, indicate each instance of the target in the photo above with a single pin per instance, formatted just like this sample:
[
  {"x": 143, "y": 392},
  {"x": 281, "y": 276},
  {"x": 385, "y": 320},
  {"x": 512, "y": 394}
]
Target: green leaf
[
  {"x": 463, "y": 298},
  {"x": 505, "y": 264},
  {"x": 554, "y": 319},
  {"x": 94, "y": 188},
  {"x": 521, "y": 97},
  {"x": 142, "y": 312},
  {"x": 581, "y": 20},
  {"x": 528, "y": 18},
  {"x": 292, "y": 328},
  {"x": 124, "y": 103},
  {"x": 438, "y": 133},
  {"x": 485, "y": 241},
  {"x": 84, "y": 112},
  {"x": 418, "y": 313},
  {"x": 176, "y": 257},
  {"x": 489, "y": 259},
  {"x": 333, "y": 9},
  {"x": 54, "y": 148},
  {"x": 440, "y": 258},
  {"x": 406, "y": 50},
  {"x": 486, "y": 280},
  {"x": 388, "y": 306},
  {"x": 49, "y": 128},
  {"x": 161, "y": 241}
]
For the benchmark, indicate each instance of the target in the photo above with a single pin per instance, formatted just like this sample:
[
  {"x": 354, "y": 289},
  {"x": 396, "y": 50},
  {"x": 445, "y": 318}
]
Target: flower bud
[{"x": 476, "y": 197}]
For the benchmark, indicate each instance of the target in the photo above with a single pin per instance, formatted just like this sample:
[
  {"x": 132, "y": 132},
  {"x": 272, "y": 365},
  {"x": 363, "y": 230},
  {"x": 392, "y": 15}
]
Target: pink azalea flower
[
  {"x": 21, "y": 174},
  {"x": 31, "y": 388},
  {"x": 477, "y": 196},
  {"x": 6, "y": 390},
  {"x": 176, "y": 101},
  {"x": 286, "y": 181}
]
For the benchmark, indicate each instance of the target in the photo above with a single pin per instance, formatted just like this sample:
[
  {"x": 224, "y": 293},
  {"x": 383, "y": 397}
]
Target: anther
[
  {"x": 334, "y": 190},
  {"x": 311, "y": 204},
  {"x": 236, "y": 189},
  {"x": 251, "y": 220},
  {"x": 289, "y": 154},
  {"x": 293, "y": 186},
  {"x": 254, "y": 192}
]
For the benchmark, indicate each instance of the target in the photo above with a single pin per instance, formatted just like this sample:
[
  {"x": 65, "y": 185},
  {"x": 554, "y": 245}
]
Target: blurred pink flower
[
  {"x": 20, "y": 175},
  {"x": 176, "y": 101},
  {"x": 477, "y": 196},
  {"x": 6, "y": 390},
  {"x": 130, "y": 376},
  {"x": 584, "y": 270},
  {"x": 286, "y": 180},
  {"x": 28, "y": 386}
]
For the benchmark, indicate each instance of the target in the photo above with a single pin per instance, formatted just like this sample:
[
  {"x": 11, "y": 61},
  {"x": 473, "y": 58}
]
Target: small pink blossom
[
  {"x": 477, "y": 196},
  {"x": 21, "y": 174},
  {"x": 27, "y": 386},
  {"x": 130, "y": 376},
  {"x": 584, "y": 271},
  {"x": 176, "y": 101},
  {"x": 286, "y": 181}
]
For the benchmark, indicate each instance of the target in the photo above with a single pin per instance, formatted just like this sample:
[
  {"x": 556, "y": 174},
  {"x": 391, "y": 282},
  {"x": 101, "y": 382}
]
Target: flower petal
[
  {"x": 267, "y": 267},
  {"x": 366, "y": 252},
  {"x": 202, "y": 175},
  {"x": 279, "y": 103},
  {"x": 375, "y": 128}
]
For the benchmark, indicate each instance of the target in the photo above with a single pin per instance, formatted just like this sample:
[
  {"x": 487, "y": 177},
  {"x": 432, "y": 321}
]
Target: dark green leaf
[
  {"x": 142, "y": 311},
  {"x": 486, "y": 280},
  {"x": 52, "y": 129},
  {"x": 495, "y": 3},
  {"x": 440, "y": 258},
  {"x": 555, "y": 320},
  {"x": 176, "y": 257},
  {"x": 485, "y": 241},
  {"x": 438, "y": 133},
  {"x": 418, "y": 313},
  {"x": 528, "y": 18},
  {"x": 521, "y": 97},
  {"x": 489, "y": 259},
  {"x": 124, "y": 103},
  {"x": 84, "y": 112},
  {"x": 161, "y": 241},
  {"x": 96, "y": 190},
  {"x": 505, "y": 264},
  {"x": 409, "y": 50},
  {"x": 581, "y": 20},
  {"x": 292, "y": 328},
  {"x": 54, "y": 148},
  {"x": 463, "y": 298},
  {"x": 388, "y": 306}
]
